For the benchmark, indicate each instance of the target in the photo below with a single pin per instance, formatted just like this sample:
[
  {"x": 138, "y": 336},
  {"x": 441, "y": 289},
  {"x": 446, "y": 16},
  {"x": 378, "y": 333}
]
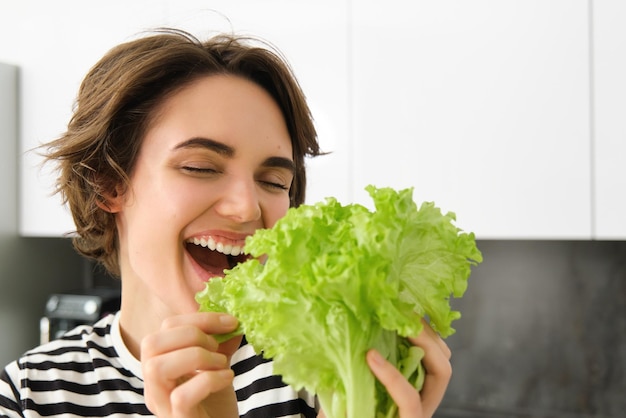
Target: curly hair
[{"x": 114, "y": 106}]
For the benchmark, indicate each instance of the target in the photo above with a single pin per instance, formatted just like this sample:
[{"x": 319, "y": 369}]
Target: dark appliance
[{"x": 65, "y": 311}]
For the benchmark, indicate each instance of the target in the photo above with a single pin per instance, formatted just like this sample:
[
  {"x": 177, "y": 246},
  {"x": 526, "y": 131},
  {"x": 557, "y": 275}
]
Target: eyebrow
[
  {"x": 280, "y": 162},
  {"x": 215, "y": 146},
  {"x": 229, "y": 152}
]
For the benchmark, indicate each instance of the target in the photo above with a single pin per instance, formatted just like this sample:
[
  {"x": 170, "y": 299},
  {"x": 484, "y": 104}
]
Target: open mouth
[{"x": 215, "y": 257}]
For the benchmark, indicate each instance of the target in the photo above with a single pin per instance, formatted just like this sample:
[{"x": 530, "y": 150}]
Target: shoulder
[
  {"x": 63, "y": 359},
  {"x": 75, "y": 342},
  {"x": 9, "y": 392},
  {"x": 78, "y": 374},
  {"x": 72, "y": 357}
]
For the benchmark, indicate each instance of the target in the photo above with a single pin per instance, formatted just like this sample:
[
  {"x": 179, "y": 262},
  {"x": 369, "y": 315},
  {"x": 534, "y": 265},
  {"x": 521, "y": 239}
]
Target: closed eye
[
  {"x": 273, "y": 185},
  {"x": 199, "y": 170}
]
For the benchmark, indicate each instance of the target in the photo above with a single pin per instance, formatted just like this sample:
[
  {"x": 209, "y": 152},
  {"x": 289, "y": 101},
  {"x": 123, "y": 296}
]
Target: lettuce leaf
[{"x": 340, "y": 280}]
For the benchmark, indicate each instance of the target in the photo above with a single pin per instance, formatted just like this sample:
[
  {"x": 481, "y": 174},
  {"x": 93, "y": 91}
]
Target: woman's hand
[
  {"x": 413, "y": 404},
  {"x": 186, "y": 372}
]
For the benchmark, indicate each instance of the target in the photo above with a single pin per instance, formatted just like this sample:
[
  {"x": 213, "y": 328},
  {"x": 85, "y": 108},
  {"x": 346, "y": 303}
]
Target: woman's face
[{"x": 215, "y": 165}]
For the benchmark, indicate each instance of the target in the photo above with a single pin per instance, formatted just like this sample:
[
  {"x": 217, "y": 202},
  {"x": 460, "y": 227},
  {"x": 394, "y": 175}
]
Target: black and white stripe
[{"x": 89, "y": 373}]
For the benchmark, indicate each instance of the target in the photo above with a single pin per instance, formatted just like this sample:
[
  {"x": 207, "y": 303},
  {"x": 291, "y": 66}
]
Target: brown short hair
[{"x": 117, "y": 99}]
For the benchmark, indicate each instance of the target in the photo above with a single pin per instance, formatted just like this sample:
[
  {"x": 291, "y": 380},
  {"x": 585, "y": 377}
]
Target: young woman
[{"x": 177, "y": 151}]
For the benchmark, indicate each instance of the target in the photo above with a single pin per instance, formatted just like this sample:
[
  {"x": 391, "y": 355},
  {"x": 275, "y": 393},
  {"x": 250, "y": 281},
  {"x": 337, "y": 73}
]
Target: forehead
[
  {"x": 224, "y": 108},
  {"x": 217, "y": 93}
]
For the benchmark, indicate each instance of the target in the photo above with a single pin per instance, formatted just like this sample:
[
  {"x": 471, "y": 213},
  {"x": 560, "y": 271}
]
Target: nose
[{"x": 239, "y": 201}]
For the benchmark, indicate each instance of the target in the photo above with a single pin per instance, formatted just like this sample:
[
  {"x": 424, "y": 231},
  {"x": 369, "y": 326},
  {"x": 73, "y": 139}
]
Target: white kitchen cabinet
[
  {"x": 609, "y": 100},
  {"x": 56, "y": 43},
  {"x": 481, "y": 106}
]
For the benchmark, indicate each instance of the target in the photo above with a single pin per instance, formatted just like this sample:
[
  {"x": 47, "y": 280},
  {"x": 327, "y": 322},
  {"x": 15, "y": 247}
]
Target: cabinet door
[
  {"x": 55, "y": 45},
  {"x": 481, "y": 106},
  {"x": 313, "y": 37},
  {"x": 609, "y": 68},
  {"x": 8, "y": 151}
]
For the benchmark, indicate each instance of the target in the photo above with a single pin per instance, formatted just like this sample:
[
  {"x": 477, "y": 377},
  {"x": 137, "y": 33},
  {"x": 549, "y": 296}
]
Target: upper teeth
[{"x": 220, "y": 247}]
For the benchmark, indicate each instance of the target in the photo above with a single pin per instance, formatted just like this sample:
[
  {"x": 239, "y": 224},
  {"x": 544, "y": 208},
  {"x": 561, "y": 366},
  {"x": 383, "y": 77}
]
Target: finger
[
  {"x": 178, "y": 399},
  {"x": 167, "y": 371},
  {"x": 187, "y": 361},
  {"x": 209, "y": 322},
  {"x": 194, "y": 390},
  {"x": 429, "y": 331},
  {"x": 436, "y": 362},
  {"x": 172, "y": 339},
  {"x": 229, "y": 347},
  {"x": 400, "y": 390},
  {"x": 157, "y": 394}
]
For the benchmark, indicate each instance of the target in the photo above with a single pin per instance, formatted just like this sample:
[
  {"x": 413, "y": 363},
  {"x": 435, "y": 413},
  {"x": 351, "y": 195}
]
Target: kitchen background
[{"x": 507, "y": 112}]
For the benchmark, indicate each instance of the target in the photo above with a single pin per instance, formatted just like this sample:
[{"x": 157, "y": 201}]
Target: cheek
[
  {"x": 156, "y": 212},
  {"x": 168, "y": 196},
  {"x": 275, "y": 210}
]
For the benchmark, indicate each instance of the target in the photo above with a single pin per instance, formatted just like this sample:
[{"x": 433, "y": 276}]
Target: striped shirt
[{"x": 89, "y": 372}]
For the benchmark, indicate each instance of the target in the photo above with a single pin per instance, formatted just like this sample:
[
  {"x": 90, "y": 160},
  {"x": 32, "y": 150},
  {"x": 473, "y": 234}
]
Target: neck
[{"x": 138, "y": 318}]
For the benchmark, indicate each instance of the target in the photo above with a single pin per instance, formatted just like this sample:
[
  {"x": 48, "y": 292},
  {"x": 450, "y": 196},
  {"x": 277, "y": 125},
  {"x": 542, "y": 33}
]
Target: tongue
[{"x": 209, "y": 260}]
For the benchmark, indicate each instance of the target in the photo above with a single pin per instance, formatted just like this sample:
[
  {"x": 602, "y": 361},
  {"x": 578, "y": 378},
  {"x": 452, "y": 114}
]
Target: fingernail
[
  {"x": 228, "y": 320},
  {"x": 375, "y": 357}
]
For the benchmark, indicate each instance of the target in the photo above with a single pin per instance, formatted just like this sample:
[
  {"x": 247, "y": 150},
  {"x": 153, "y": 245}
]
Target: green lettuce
[{"x": 340, "y": 280}]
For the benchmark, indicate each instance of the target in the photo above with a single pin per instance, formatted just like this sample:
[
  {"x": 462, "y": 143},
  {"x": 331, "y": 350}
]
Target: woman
[{"x": 177, "y": 151}]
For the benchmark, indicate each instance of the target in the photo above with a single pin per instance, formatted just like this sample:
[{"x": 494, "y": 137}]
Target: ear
[{"x": 112, "y": 202}]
